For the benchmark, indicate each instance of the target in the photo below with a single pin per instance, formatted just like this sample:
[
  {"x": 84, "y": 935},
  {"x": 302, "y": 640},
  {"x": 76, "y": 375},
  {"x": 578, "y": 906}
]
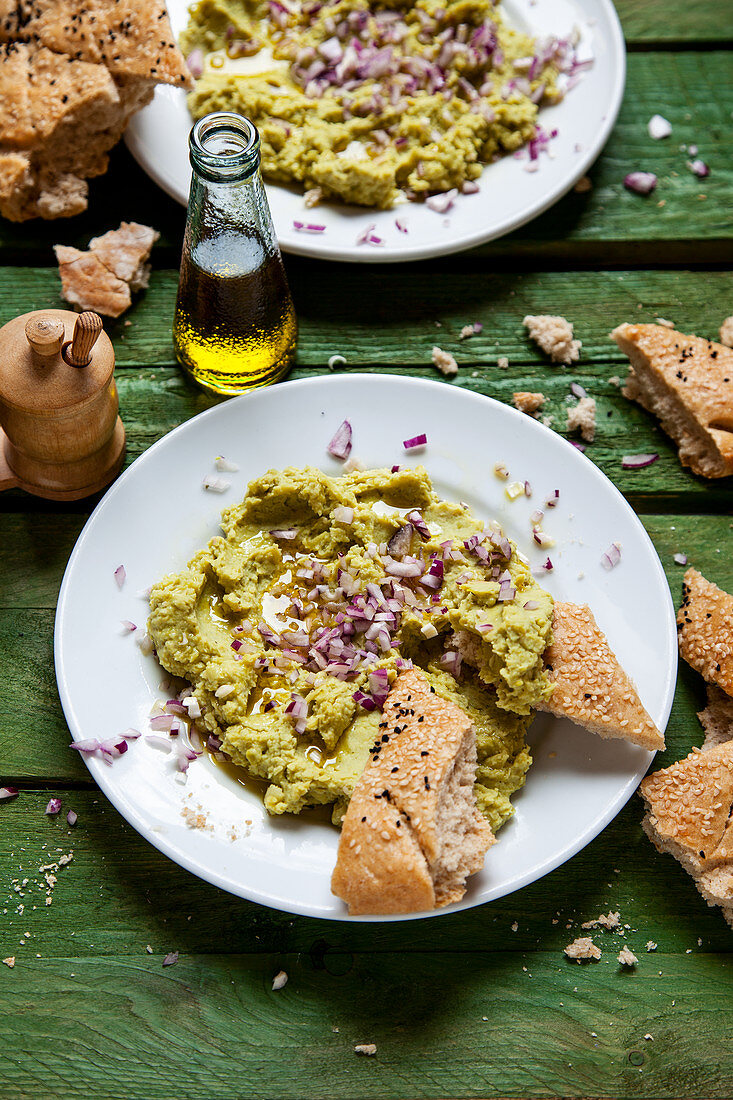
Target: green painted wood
[
  {"x": 608, "y": 224},
  {"x": 33, "y": 732},
  {"x": 673, "y": 23},
  {"x": 212, "y": 1028},
  {"x": 343, "y": 308}
]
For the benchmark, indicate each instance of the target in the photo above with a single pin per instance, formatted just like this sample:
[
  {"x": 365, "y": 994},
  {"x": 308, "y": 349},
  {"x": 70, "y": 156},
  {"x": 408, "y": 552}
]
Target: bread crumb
[
  {"x": 615, "y": 380},
  {"x": 149, "y": 949},
  {"x": 726, "y": 332},
  {"x": 279, "y": 980},
  {"x": 651, "y": 945},
  {"x": 583, "y": 186},
  {"x": 10, "y": 961},
  {"x": 502, "y": 362},
  {"x": 582, "y": 948},
  {"x": 528, "y": 402},
  {"x": 554, "y": 335},
  {"x": 608, "y": 921},
  {"x": 366, "y": 1048},
  {"x": 468, "y": 331},
  {"x": 627, "y": 957},
  {"x": 515, "y": 926},
  {"x": 195, "y": 820},
  {"x": 583, "y": 416},
  {"x": 649, "y": 1038},
  {"x": 445, "y": 362},
  {"x": 663, "y": 321}
]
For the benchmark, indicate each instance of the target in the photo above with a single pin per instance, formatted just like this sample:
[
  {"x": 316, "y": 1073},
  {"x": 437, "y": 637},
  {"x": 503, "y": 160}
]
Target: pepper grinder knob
[
  {"x": 86, "y": 331},
  {"x": 45, "y": 334}
]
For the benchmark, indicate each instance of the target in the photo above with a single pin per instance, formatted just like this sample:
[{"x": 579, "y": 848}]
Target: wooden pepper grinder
[{"x": 61, "y": 437}]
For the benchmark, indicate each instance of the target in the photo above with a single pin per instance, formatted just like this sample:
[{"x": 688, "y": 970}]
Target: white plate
[
  {"x": 157, "y": 516},
  {"x": 508, "y": 196}
]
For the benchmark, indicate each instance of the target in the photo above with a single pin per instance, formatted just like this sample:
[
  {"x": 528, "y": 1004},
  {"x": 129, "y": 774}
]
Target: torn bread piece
[
  {"x": 554, "y": 335},
  {"x": 590, "y": 687},
  {"x": 688, "y": 383},
  {"x": 71, "y": 77},
  {"x": 688, "y": 815},
  {"x": 717, "y": 718},
  {"x": 705, "y": 629},
  {"x": 103, "y": 278},
  {"x": 412, "y": 833},
  {"x": 528, "y": 402}
]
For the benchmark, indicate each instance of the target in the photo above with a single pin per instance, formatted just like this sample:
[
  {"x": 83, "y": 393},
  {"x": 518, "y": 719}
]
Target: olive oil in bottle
[{"x": 235, "y": 326}]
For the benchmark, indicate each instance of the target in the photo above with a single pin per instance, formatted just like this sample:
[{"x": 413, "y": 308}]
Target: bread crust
[
  {"x": 590, "y": 686},
  {"x": 390, "y": 848},
  {"x": 705, "y": 629},
  {"x": 688, "y": 383}
]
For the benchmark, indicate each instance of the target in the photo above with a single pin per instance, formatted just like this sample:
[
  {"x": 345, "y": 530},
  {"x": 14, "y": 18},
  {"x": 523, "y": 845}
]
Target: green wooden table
[{"x": 477, "y": 1004}]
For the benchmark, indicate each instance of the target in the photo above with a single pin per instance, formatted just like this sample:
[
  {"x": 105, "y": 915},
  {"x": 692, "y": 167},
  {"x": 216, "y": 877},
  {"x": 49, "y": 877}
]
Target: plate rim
[
  {"x": 318, "y": 247},
  {"x": 118, "y": 797}
]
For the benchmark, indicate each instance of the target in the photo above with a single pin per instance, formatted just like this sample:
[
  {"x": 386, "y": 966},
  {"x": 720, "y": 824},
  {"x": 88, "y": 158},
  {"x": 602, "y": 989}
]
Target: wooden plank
[
  {"x": 340, "y": 310},
  {"x": 444, "y": 1026},
  {"x": 692, "y": 89},
  {"x": 32, "y": 728},
  {"x": 675, "y": 23}
]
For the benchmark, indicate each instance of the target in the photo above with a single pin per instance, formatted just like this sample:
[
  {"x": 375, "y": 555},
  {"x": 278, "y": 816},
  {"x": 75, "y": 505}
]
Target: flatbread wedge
[
  {"x": 705, "y": 629},
  {"x": 688, "y": 383},
  {"x": 590, "y": 687},
  {"x": 412, "y": 833}
]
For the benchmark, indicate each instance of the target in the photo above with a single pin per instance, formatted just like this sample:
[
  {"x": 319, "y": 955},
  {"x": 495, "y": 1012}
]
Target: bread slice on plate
[
  {"x": 412, "y": 833},
  {"x": 688, "y": 383},
  {"x": 590, "y": 687},
  {"x": 705, "y": 629}
]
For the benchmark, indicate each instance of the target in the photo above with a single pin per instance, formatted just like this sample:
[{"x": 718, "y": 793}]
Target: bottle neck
[{"x": 224, "y": 148}]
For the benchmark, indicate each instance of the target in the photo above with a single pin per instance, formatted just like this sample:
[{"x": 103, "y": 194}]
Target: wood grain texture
[
  {"x": 211, "y": 1027},
  {"x": 692, "y": 89}
]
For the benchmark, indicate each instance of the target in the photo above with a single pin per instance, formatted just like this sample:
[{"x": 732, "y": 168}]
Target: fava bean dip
[
  {"x": 292, "y": 625},
  {"x": 373, "y": 103}
]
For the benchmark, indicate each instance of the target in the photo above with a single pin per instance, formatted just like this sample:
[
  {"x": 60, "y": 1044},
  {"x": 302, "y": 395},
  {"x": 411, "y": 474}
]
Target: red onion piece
[
  {"x": 171, "y": 958},
  {"x": 419, "y": 524},
  {"x": 285, "y": 533},
  {"x": 442, "y": 203},
  {"x": 612, "y": 556},
  {"x": 641, "y": 183},
  {"x": 225, "y": 465},
  {"x": 340, "y": 445},
  {"x": 415, "y": 442},
  {"x": 531, "y": 605},
  {"x": 698, "y": 168},
  {"x": 120, "y": 575},
  {"x": 638, "y": 462},
  {"x": 401, "y": 224},
  {"x": 548, "y": 566},
  {"x": 680, "y": 559},
  {"x": 577, "y": 390},
  {"x": 364, "y": 701},
  {"x": 216, "y": 484},
  {"x": 90, "y": 745},
  {"x": 72, "y": 818},
  {"x": 343, "y": 514},
  {"x": 7, "y": 793},
  {"x": 195, "y": 62},
  {"x": 128, "y": 625},
  {"x": 659, "y": 127},
  {"x": 53, "y": 807},
  {"x": 308, "y": 227}
]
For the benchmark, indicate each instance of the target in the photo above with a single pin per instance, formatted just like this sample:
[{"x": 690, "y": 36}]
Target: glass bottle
[{"x": 235, "y": 326}]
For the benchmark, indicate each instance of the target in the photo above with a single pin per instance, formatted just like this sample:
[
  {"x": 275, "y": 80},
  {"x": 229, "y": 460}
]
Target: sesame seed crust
[
  {"x": 705, "y": 629},
  {"x": 590, "y": 687}
]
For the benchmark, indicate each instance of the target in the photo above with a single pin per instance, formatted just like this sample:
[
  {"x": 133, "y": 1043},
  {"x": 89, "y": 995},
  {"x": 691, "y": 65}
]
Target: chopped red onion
[
  {"x": 484, "y": 628},
  {"x": 698, "y": 168},
  {"x": 236, "y": 645},
  {"x": 225, "y": 465},
  {"x": 53, "y": 807},
  {"x": 91, "y": 745},
  {"x": 451, "y": 662},
  {"x": 612, "y": 556},
  {"x": 364, "y": 701},
  {"x": 577, "y": 390},
  {"x": 308, "y": 227},
  {"x": 72, "y": 818},
  {"x": 171, "y": 959},
  {"x": 442, "y": 203},
  {"x": 216, "y": 484},
  {"x": 536, "y": 517},
  {"x": 195, "y": 63},
  {"x": 419, "y": 524},
  {"x": 469, "y": 187},
  {"x": 131, "y": 734},
  {"x": 394, "y": 469},
  {"x": 7, "y": 793},
  {"x": 286, "y": 533},
  {"x": 340, "y": 445},
  {"x": 680, "y": 559},
  {"x": 641, "y": 183},
  {"x": 129, "y": 626},
  {"x": 120, "y": 575},
  {"x": 365, "y": 234},
  {"x": 164, "y": 722},
  {"x": 401, "y": 224},
  {"x": 343, "y": 514},
  {"x": 157, "y": 742},
  {"x": 531, "y": 605},
  {"x": 415, "y": 442},
  {"x": 638, "y": 462},
  {"x": 659, "y": 127},
  {"x": 578, "y": 446},
  {"x": 551, "y": 502},
  {"x": 548, "y": 566}
]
